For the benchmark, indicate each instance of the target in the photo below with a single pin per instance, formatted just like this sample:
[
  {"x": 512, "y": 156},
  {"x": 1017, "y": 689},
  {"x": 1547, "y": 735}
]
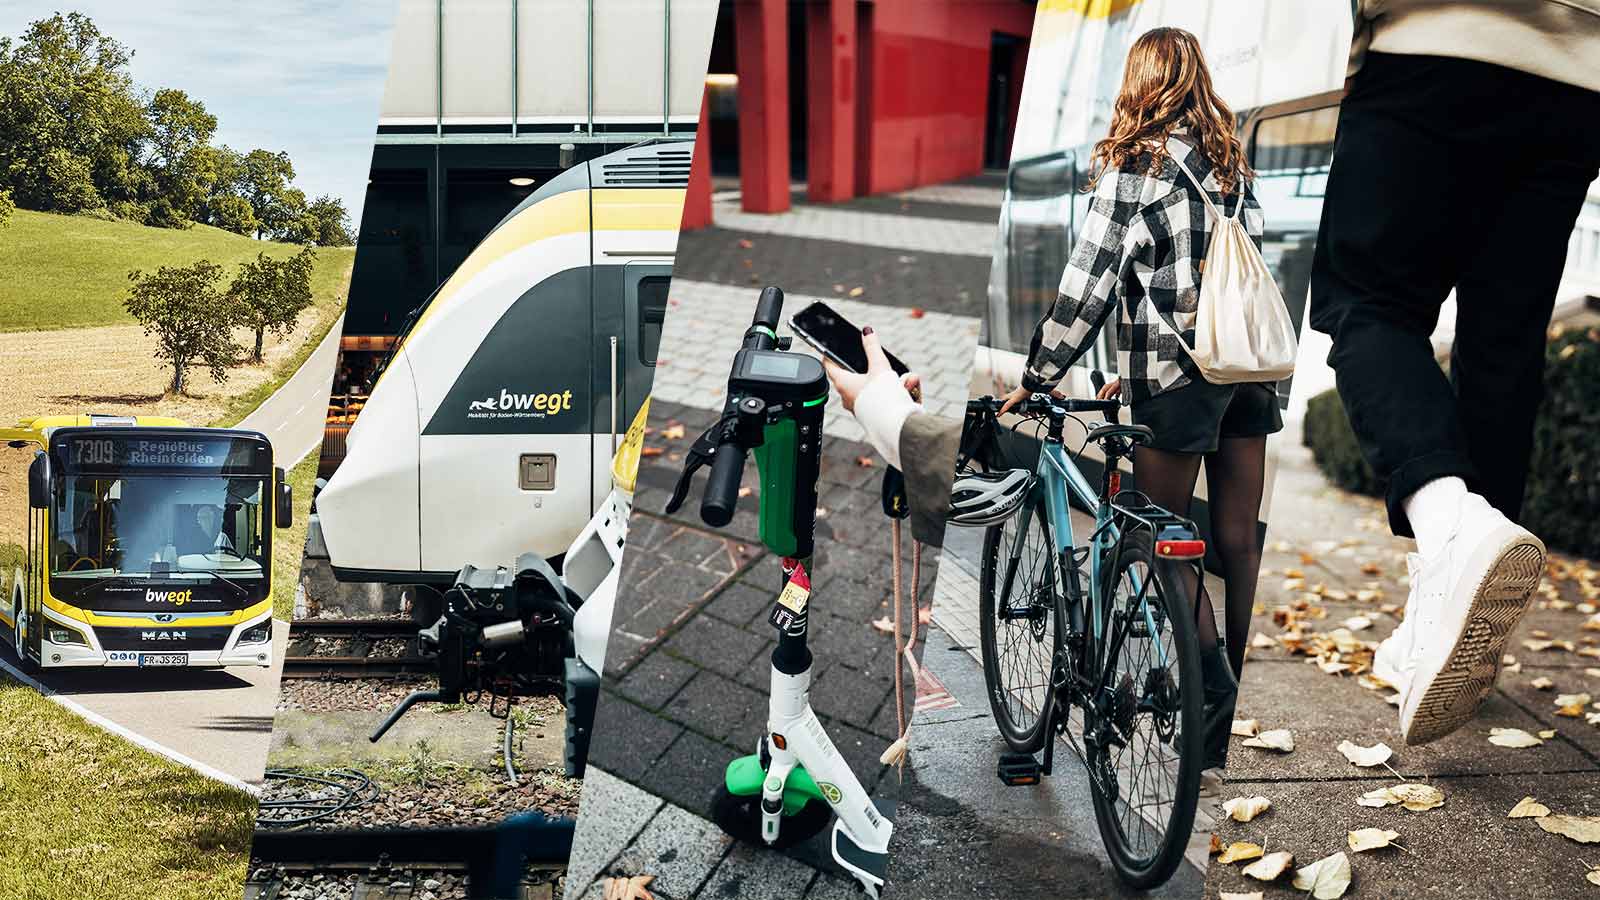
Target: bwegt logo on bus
[
  {"x": 176, "y": 598},
  {"x": 508, "y": 405}
]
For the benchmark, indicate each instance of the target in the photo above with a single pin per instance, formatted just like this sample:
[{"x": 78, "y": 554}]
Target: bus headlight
[
  {"x": 61, "y": 634},
  {"x": 260, "y": 634}
]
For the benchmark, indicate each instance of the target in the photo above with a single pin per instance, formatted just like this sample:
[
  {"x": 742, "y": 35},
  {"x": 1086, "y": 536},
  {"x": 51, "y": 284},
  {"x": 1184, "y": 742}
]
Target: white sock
[{"x": 1433, "y": 510}]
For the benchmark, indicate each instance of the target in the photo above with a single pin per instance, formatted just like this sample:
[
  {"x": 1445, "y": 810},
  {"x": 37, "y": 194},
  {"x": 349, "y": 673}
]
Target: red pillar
[
  {"x": 762, "y": 58},
  {"x": 831, "y": 119},
  {"x": 697, "y": 197}
]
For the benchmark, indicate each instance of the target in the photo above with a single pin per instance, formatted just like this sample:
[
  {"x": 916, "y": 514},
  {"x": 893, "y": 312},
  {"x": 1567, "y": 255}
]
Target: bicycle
[{"x": 1121, "y": 680}]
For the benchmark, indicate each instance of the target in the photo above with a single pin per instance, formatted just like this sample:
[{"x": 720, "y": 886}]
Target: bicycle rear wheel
[
  {"x": 1018, "y": 584},
  {"x": 1146, "y": 774}
]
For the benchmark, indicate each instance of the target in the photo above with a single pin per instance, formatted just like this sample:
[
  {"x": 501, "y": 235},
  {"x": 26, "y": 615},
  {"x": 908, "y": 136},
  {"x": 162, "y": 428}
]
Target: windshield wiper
[{"x": 241, "y": 589}]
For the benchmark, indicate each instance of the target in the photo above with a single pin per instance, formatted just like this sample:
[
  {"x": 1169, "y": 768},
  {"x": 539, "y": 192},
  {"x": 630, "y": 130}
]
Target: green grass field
[
  {"x": 289, "y": 544},
  {"x": 87, "y": 814},
  {"x": 72, "y": 271}
]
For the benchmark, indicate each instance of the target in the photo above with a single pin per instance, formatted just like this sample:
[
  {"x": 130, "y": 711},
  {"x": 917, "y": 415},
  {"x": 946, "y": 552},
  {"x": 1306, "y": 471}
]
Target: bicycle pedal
[{"x": 1018, "y": 769}]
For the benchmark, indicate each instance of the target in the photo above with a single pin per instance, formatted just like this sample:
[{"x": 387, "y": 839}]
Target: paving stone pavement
[{"x": 1327, "y": 549}]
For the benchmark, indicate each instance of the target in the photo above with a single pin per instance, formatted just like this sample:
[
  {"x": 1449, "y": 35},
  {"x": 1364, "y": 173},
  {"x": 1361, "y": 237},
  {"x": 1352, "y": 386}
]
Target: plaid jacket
[{"x": 1140, "y": 252}]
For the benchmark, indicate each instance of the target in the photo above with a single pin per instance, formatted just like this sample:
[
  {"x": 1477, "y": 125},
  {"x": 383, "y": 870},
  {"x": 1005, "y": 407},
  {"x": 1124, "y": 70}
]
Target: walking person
[
  {"x": 1140, "y": 257},
  {"x": 1467, "y": 141}
]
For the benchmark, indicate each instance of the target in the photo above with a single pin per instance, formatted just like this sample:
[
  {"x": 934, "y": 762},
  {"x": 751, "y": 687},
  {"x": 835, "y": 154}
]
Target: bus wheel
[{"x": 16, "y": 634}]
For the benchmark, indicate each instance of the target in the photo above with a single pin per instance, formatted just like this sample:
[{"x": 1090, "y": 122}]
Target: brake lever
[{"x": 700, "y": 455}]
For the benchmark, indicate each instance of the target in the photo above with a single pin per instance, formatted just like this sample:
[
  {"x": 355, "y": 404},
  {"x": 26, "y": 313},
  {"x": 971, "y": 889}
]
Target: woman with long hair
[{"x": 1141, "y": 255}]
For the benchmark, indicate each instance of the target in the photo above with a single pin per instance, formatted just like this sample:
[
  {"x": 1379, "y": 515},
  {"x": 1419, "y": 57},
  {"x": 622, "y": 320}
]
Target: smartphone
[{"x": 837, "y": 338}]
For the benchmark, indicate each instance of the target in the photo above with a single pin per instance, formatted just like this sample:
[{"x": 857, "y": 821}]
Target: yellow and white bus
[{"x": 146, "y": 543}]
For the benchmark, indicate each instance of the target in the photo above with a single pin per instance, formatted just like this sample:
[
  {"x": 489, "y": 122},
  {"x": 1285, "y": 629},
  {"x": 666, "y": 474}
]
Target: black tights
[{"x": 1235, "y": 478}]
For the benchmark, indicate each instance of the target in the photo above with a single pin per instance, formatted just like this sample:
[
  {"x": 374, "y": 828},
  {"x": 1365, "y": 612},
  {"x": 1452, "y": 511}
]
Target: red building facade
[{"x": 887, "y": 94}]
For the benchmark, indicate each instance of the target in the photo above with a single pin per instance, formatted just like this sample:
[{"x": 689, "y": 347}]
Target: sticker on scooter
[
  {"x": 830, "y": 792},
  {"x": 789, "y": 615}
]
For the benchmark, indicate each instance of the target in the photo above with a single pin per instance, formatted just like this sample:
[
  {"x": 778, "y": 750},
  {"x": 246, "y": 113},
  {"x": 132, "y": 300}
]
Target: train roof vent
[
  {"x": 648, "y": 166},
  {"x": 97, "y": 420}
]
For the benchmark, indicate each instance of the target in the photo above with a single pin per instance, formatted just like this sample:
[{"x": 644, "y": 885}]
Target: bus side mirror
[
  {"x": 283, "y": 497},
  {"x": 39, "y": 481}
]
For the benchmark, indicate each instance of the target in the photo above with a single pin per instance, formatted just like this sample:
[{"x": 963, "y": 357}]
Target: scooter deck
[{"x": 861, "y": 862}]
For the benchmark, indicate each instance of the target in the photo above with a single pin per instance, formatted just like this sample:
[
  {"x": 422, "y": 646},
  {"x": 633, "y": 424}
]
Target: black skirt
[{"x": 1193, "y": 418}]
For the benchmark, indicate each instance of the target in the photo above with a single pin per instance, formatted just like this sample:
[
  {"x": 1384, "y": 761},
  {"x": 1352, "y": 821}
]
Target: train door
[{"x": 630, "y": 305}]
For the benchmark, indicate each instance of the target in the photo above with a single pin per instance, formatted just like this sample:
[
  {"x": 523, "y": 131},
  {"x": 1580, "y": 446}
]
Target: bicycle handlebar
[{"x": 769, "y": 309}]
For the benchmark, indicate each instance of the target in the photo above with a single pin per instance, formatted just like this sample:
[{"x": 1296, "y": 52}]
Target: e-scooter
[{"x": 774, "y": 408}]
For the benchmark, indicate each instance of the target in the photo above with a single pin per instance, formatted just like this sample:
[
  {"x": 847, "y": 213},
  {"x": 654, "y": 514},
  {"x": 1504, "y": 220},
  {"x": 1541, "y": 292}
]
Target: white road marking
[{"x": 95, "y": 718}]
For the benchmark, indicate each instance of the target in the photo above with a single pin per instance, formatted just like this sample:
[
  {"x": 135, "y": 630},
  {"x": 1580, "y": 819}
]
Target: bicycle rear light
[{"x": 1184, "y": 549}]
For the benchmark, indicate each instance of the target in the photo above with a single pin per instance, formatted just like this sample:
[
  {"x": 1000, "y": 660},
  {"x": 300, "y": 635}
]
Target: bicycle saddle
[{"x": 1138, "y": 434}]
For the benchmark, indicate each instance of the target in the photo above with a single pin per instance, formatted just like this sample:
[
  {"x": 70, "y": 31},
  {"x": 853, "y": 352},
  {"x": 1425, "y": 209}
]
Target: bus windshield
[
  {"x": 160, "y": 520},
  {"x": 161, "y": 527}
]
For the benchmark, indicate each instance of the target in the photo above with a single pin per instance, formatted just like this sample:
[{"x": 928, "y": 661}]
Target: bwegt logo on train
[
  {"x": 176, "y": 598},
  {"x": 508, "y": 405}
]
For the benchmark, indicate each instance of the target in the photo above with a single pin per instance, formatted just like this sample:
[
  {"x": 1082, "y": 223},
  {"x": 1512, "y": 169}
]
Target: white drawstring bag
[{"x": 1242, "y": 329}]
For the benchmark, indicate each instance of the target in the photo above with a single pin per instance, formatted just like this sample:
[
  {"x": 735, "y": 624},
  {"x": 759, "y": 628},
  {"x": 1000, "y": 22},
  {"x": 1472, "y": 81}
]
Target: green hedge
[{"x": 1562, "y": 503}]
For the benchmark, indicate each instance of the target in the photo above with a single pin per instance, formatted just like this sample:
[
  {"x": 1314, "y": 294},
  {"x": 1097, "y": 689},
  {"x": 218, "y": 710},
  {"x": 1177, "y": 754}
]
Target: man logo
[
  {"x": 163, "y": 618},
  {"x": 176, "y": 598},
  {"x": 163, "y": 635}
]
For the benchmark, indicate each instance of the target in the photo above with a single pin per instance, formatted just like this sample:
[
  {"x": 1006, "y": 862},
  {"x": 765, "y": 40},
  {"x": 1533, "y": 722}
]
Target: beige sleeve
[{"x": 928, "y": 445}]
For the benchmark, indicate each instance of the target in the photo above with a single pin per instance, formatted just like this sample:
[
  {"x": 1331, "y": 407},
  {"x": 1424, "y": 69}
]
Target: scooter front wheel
[{"x": 740, "y": 818}]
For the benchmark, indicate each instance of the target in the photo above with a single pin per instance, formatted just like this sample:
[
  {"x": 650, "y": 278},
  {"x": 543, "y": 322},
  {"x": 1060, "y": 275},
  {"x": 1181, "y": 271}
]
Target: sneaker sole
[{"x": 1498, "y": 603}]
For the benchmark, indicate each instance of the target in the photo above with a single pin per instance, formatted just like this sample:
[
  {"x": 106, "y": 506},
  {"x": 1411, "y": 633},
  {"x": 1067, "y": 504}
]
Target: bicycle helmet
[{"x": 984, "y": 498}]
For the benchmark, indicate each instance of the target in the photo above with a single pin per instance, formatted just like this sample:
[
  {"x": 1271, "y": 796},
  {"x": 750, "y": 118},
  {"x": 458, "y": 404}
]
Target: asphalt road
[{"x": 219, "y": 717}]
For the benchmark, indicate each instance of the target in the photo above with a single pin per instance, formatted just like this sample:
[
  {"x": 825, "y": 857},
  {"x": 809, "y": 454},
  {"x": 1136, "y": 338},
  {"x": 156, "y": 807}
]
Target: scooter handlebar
[
  {"x": 722, "y": 487},
  {"x": 769, "y": 308}
]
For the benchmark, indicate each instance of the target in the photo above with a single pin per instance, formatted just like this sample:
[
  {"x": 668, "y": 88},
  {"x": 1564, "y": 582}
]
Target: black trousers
[{"x": 1448, "y": 173}]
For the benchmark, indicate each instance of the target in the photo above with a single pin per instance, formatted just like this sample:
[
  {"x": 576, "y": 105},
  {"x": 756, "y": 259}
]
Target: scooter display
[{"x": 783, "y": 793}]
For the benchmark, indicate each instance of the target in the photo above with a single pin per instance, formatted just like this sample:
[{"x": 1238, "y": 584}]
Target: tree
[
  {"x": 264, "y": 181},
  {"x": 324, "y": 223},
  {"x": 182, "y": 164},
  {"x": 6, "y": 207},
  {"x": 231, "y": 213},
  {"x": 269, "y": 294},
  {"x": 191, "y": 319},
  {"x": 71, "y": 122}
]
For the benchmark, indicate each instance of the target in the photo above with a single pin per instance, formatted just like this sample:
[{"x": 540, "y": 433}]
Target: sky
[{"x": 304, "y": 76}]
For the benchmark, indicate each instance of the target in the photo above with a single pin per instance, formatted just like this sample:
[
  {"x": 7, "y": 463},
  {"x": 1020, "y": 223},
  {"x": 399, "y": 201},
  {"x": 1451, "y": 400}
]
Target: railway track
[
  {"x": 400, "y": 863},
  {"x": 353, "y": 648}
]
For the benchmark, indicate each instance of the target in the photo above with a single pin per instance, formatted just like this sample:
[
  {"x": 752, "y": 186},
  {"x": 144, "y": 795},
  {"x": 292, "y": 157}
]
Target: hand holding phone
[{"x": 837, "y": 338}]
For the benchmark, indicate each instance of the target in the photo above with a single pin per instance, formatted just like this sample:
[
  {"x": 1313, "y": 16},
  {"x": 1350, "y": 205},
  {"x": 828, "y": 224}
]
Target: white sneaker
[
  {"x": 1394, "y": 652},
  {"x": 1464, "y": 604}
]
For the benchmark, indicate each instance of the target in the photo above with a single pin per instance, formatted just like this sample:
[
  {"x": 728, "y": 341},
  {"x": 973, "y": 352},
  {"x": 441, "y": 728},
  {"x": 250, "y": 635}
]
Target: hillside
[{"x": 72, "y": 271}]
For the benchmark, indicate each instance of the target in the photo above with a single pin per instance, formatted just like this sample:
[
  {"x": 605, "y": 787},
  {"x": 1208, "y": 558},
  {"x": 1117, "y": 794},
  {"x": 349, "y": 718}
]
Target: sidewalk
[{"x": 1329, "y": 560}]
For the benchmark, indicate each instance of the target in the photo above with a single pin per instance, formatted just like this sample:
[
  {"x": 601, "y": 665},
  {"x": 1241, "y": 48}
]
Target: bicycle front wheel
[
  {"x": 1017, "y": 588},
  {"x": 1146, "y": 762}
]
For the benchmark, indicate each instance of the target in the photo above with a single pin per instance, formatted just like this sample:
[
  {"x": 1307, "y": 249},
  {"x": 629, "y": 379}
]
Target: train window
[
  {"x": 652, "y": 300},
  {"x": 1291, "y": 154}
]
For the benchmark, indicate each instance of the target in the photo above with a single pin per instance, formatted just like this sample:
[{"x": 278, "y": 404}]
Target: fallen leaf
[
  {"x": 864, "y": 462},
  {"x": 1415, "y": 797},
  {"x": 1270, "y": 866},
  {"x": 1276, "y": 739},
  {"x": 1372, "y": 682},
  {"x": 649, "y": 451},
  {"x": 1583, "y": 829},
  {"x": 634, "y": 888},
  {"x": 1515, "y": 738},
  {"x": 918, "y": 312},
  {"x": 1357, "y": 623},
  {"x": 1246, "y": 727},
  {"x": 1364, "y": 839},
  {"x": 1392, "y": 699},
  {"x": 673, "y": 432},
  {"x": 856, "y": 291},
  {"x": 1327, "y": 878},
  {"x": 1547, "y": 733},
  {"x": 1216, "y": 844},
  {"x": 1372, "y": 569},
  {"x": 1541, "y": 684},
  {"x": 1243, "y": 809},
  {"x": 1571, "y": 705},
  {"x": 1593, "y": 877},
  {"x": 1528, "y": 808},
  {"x": 1239, "y": 851},
  {"x": 1536, "y": 645},
  {"x": 1365, "y": 757},
  {"x": 1263, "y": 641},
  {"x": 1257, "y": 895}
]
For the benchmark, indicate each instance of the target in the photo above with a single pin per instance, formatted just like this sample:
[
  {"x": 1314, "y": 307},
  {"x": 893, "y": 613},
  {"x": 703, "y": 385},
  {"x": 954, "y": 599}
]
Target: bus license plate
[{"x": 163, "y": 659}]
